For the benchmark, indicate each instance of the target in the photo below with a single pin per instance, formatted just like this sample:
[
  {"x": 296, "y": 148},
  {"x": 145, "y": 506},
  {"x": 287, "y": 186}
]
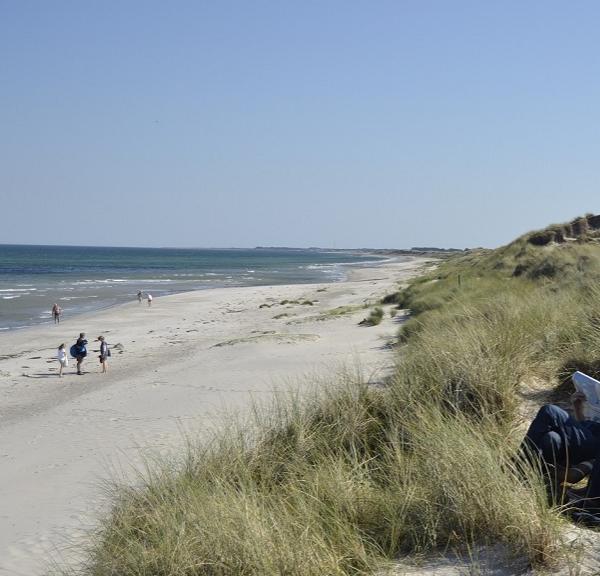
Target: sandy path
[{"x": 185, "y": 361}]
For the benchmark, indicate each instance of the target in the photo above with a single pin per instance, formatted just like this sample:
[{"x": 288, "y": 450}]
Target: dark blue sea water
[{"x": 82, "y": 279}]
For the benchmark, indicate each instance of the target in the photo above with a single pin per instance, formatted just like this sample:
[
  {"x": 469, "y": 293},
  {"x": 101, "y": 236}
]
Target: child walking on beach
[{"x": 62, "y": 359}]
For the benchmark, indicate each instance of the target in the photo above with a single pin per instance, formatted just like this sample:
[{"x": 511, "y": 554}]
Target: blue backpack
[{"x": 78, "y": 350}]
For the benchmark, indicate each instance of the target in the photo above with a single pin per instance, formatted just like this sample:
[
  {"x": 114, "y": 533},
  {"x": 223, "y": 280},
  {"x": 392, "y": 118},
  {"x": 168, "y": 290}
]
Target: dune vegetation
[{"x": 354, "y": 476}]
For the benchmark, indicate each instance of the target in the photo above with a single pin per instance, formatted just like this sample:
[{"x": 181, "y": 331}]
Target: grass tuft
[{"x": 374, "y": 318}]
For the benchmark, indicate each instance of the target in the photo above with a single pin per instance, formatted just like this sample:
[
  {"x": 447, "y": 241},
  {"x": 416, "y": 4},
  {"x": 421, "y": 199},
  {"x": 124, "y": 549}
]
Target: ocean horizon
[{"x": 88, "y": 278}]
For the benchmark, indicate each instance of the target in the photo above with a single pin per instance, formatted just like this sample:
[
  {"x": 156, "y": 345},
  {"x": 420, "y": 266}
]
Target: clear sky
[{"x": 307, "y": 123}]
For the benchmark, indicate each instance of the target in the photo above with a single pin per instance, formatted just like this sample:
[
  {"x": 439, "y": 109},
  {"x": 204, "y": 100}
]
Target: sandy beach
[{"x": 177, "y": 366}]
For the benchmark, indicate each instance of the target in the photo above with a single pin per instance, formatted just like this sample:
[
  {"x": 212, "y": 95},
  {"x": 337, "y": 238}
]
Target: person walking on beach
[
  {"x": 56, "y": 310},
  {"x": 62, "y": 359},
  {"x": 149, "y": 299},
  {"x": 104, "y": 353},
  {"x": 79, "y": 351},
  {"x": 140, "y": 295}
]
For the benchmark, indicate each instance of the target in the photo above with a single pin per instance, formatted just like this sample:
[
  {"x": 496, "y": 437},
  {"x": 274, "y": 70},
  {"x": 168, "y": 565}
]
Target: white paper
[{"x": 591, "y": 388}]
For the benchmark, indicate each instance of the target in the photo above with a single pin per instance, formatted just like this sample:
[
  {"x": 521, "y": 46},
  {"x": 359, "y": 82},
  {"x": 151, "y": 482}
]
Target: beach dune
[{"x": 178, "y": 366}]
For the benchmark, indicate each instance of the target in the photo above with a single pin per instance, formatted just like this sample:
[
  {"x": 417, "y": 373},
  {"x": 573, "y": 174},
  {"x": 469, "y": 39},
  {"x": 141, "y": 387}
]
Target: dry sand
[{"x": 185, "y": 362}]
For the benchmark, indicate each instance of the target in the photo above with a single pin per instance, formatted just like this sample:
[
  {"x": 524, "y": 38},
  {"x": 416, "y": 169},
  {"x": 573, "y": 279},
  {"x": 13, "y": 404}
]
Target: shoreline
[
  {"x": 107, "y": 307},
  {"x": 82, "y": 290},
  {"x": 183, "y": 363}
]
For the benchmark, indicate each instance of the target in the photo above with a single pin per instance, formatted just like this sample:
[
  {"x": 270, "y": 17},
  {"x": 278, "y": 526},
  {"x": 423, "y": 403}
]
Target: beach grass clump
[
  {"x": 468, "y": 488},
  {"x": 217, "y": 526},
  {"x": 290, "y": 503},
  {"x": 346, "y": 479},
  {"x": 339, "y": 483},
  {"x": 392, "y": 298},
  {"x": 374, "y": 318},
  {"x": 340, "y": 311}
]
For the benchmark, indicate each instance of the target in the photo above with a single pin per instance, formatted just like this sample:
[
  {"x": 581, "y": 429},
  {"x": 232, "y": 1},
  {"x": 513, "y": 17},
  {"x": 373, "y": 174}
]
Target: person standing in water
[
  {"x": 62, "y": 359},
  {"x": 104, "y": 353},
  {"x": 140, "y": 295},
  {"x": 149, "y": 299},
  {"x": 56, "y": 310}
]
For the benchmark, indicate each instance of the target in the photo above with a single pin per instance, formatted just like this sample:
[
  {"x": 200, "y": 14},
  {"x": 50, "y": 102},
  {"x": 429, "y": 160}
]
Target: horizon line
[{"x": 258, "y": 247}]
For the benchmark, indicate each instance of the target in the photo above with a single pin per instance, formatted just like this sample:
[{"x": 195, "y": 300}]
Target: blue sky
[{"x": 341, "y": 123}]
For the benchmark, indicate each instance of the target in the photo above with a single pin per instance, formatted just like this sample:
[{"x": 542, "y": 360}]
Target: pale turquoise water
[{"x": 82, "y": 279}]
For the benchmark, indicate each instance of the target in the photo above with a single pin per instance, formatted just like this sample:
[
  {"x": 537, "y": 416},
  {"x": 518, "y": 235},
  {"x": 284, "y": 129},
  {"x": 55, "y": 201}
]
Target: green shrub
[
  {"x": 373, "y": 318},
  {"x": 393, "y": 298}
]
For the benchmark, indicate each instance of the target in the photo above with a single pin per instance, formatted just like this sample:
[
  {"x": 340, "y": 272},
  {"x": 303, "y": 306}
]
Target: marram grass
[{"x": 340, "y": 486}]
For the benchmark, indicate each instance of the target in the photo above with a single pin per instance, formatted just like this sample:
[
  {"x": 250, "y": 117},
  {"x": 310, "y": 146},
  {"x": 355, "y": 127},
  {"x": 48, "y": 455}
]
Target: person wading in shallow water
[
  {"x": 79, "y": 351},
  {"x": 56, "y": 310}
]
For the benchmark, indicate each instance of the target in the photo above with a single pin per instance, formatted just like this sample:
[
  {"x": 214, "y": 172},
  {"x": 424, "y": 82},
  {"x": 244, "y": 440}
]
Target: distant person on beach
[
  {"x": 63, "y": 361},
  {"x": 140, "y": 295},
  {"x": 56, "y": 311},
  {"x": 79, "y": 351},
  {"x": 104, "y": 353},
  {"x": 149, "y": 299}
]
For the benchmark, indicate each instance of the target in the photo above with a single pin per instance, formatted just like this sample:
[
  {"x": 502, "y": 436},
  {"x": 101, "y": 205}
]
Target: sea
[{"x": 83, "y": 279}]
